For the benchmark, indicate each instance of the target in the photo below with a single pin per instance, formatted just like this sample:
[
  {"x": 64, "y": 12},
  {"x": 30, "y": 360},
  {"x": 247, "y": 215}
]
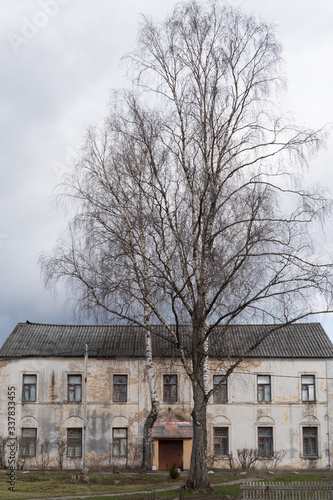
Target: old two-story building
[{"x": 278, "y": 402}]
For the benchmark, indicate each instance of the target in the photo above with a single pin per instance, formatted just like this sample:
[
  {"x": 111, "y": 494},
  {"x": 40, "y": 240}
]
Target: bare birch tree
[{"x": 189, "y": 208}]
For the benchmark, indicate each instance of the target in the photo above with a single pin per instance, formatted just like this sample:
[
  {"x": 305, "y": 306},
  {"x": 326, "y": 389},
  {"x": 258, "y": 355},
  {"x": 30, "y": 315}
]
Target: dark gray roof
[{"x": 299, "y": 340}]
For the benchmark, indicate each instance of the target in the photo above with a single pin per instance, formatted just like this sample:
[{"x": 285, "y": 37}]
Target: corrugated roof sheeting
[{"x": 299, "y": 340}]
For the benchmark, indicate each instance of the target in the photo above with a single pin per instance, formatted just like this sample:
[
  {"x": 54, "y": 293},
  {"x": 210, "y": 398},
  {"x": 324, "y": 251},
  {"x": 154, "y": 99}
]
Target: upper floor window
[
  {"x": 119, "y": 388},
  {"x": 308, "y": 388},
  {"x": 221, "y": 441},
  {"x": 119, "y": 446},
  {"x": 264, "y": 388},
  {"x": 310, "y": 441},
  {"x": 29, "y": 441},
  {"x": 75, "y": 388},
  {"x": 74, "y": 443},
  {"x": 265, "y": 441},
  {"x": 29, "y": 388},
  {"x": 170, "y": 388},
  {"x": 221, "y": 394}
]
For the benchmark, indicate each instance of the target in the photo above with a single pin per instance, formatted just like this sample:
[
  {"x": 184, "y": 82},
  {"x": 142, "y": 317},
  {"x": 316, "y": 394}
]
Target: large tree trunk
[
  {"x": 198, "y": 478},
  {"x": 147, "y": 440},
  {"x": 155, "y": 405}
]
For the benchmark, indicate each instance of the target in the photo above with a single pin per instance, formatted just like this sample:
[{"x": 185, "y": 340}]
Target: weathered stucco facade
[{"x": 280, "y": 406}]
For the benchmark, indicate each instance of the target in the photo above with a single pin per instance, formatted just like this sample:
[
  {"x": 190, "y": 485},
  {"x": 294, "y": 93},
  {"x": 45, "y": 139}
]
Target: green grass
[
  {"x": 56, "y": 484},
  {"x": 40, "y": 485}
]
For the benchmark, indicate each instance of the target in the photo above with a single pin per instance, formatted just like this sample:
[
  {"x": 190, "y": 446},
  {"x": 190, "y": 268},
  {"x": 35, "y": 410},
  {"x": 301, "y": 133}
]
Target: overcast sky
[{"x": 59, "y": 61}]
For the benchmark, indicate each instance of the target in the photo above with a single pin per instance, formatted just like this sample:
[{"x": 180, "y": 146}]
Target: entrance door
[{"x": 170, "y": 451}]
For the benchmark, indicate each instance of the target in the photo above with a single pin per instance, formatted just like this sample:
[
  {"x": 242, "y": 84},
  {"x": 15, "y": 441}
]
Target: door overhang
[{"x": 172, "y": 430}]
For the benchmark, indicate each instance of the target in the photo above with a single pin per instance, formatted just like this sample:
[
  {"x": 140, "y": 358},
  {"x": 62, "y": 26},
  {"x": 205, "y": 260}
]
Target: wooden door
[{"x": 170, "y": 451}]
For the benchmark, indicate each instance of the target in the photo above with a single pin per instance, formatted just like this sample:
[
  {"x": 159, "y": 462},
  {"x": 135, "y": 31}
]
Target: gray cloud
[{"x": 55, "y": 79}]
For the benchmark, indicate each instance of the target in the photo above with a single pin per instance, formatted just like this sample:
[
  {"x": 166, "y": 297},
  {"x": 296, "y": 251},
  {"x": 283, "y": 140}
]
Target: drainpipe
[{"x": 84, "y": 440}]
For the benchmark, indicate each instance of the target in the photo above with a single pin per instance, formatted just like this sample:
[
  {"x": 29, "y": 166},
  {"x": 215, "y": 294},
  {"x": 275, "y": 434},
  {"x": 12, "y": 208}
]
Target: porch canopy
[{"x": 172, "y": 430}]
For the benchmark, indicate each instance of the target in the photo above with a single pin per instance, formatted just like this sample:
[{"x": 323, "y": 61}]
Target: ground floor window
[
  {"x": 310, "y": 441},
  {"x": 29, "y": 441},
  {"x": 221, "y": 441},
  {"x": 265, "y": 441},
  {"x": 119, "y": 442},
  {"x": 74, "y": 443}
]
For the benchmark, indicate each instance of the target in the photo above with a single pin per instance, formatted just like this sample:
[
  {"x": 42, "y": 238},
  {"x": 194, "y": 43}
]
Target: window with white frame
[
  {"x": 221, "y": 441},
  {"x": 75, "y": 388},
  {"x": 308, "y": 388},
  {"x": 264, "y": 393},
  {"x": 29, "y": 388},
  {"x": 29, "y": 442},
  {"x": 119, "y": 442}
]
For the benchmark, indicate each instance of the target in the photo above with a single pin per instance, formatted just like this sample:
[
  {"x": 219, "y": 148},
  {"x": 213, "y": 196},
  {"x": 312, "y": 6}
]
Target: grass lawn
[{"x": 56, "y": 484}]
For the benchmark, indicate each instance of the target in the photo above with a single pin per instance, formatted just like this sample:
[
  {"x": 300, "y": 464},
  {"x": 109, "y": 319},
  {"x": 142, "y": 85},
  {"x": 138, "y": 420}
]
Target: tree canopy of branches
[{"x": 188, "y": 202}]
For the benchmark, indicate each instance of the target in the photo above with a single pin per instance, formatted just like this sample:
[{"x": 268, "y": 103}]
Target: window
[
  {"x": 221, "y": 441},
  {"x": 75, "y": 388},
  {"x": 120, "y": 388},
  {"x": 29, "y": 441},
  {"x": 221, "y": 394},
  {"x": 308, "y": 388},
  {"x": 310, "y": 441},
  {"x": 170, "y": 388},
  {"x": 74, "y": 443},
  {"x": 29, "y": 388},
  {"x": 264, "y": 388},
  {"x": 265, "y": 441},
  {"x": 119, "y": 447}
]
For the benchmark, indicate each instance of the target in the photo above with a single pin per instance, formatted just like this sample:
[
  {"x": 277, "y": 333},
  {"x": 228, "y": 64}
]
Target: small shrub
[
  {"x": 174, "y": 472},
  {"x": 247, "y": 457}
]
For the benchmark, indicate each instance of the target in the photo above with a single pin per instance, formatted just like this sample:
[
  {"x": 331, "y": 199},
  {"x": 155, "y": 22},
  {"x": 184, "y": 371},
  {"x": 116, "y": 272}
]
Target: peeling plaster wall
[
  {"x": 286, "y": 413},
  {"x": 52, "y": 414}
]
